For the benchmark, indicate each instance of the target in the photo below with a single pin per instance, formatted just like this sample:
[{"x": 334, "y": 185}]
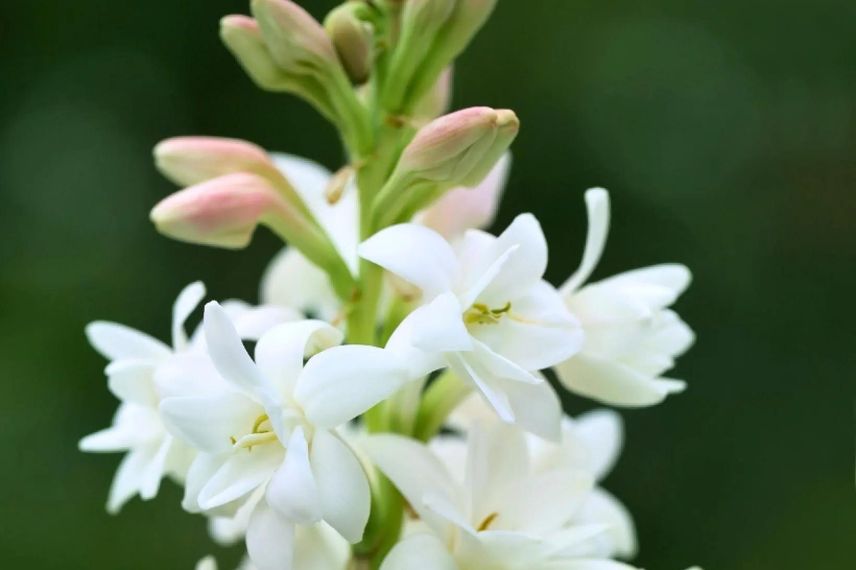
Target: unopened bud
[
  {"x": 353, "y": 39},
  {"x": 421, "y": 24},
  {"x": 223, "y": 212},
  {"x": 192, "y": 160},
  {"x": 295, "y": 39},
  {"x": 449, "y": 149},
  {"x": 507, "y": 128},
  {"x": 242, "y": 36},
  {"x": 466, "y": 19}
]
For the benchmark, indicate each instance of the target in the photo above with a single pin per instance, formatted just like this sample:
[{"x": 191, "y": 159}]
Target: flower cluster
[{"x": 393, "y": 410}]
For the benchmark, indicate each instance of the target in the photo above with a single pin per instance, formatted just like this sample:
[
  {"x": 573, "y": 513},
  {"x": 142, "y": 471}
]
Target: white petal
[
  {"x": 419, "y": 363},
  {"x": 419, "y": 551},
  {"x": 545, "y": 503},
  {"x": 155, "y": 470},
  {"x": 613, "y": 383},
  {"x": 343, "y": 382},
  {"x": 526, "y": 265},
  {"x": 133, "y": 381},
  {"x": 240, "y": 475},
  {"x": 229, "y": 355},
  {"x": 461, "y": 209},
  {"x": 416, "y": 254},
  {"x": 342, "y": 485},
  {"x": 208, "y": 423},
  {"x": 602, "y": 508},
  {"x": 203, "y": 468},
  {"x": 207, "y": 563},
  {"x": 110, "y": 440},
  {"x": 602, "y": 433},
  {"x": 468, "y": 367},
  {"x": 270, "y": 540},
  {"x": 293, "y": 491},
  {"x": 416, "y": 472},
  {"x": 439, "y": 327},
  {"x": 597, "y": 203},
  {"x": 538, "y": 332},
  {"x": 126, "y": 482},
  {"x": 497, "y": 464},
  {"x": 252, "y": 322},
  {"x": 280, "y": 353},
  {"x": 536, "y": 408},
  {"x": 291, "y": 280},
  {"x": 320, "y": 548},
  {"x": 658, "y": 285},
  {"x": 185, "y": 304},
  {"x": 117, "y": 342}
]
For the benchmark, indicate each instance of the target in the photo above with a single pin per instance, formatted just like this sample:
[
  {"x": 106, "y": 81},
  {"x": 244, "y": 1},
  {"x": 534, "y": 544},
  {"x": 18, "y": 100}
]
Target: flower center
[
  {"x": 481, "y": 314},
  {"x": 262, "y": 433}
]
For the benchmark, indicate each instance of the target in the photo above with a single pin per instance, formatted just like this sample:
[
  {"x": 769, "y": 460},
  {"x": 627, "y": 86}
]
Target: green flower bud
[{"x": 353, "y": 39}]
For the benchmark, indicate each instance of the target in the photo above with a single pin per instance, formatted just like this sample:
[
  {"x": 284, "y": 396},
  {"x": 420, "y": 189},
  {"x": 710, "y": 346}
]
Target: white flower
[
  {"x": 631, "y": 338},
  {"x": 293, "y": 281},
  {"x": 143, "y": 370},
  {"x": 490, "y": 316},
  {"x": 503, "y": 514},
  {"x": 272, "y": 424},
  {"x": 590, "y": 443}
]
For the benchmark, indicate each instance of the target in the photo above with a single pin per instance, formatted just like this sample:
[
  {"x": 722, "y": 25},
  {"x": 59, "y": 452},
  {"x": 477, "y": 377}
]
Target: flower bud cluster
[{"x": 394, "y": 413}]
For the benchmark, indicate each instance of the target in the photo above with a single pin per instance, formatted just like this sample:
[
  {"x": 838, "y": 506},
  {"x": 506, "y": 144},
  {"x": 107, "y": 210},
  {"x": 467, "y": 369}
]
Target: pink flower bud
[
  {"x": 191, "y": 160},
  {"x": 449, "y": 149},
  {"x": 222, "y": 212},
  {"x": 353, "y": 39}
]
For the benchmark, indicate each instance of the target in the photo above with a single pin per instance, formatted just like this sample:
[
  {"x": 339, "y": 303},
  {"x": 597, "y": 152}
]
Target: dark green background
[{"x": 726, "y": 131}]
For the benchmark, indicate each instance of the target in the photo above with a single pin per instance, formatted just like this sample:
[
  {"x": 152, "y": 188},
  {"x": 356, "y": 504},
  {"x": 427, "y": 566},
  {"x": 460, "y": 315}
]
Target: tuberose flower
[
  {"x": 272, "y": 425},
  {"x": 631, "y": 337},
  {"x": 501, "y": 513},
  {"x": 489, "y": 314},
  {"x": 141, "y": 372}
]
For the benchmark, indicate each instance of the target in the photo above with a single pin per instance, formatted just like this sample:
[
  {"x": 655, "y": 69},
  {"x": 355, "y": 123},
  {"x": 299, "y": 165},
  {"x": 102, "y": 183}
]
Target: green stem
[{"x": 440, "y": 400}]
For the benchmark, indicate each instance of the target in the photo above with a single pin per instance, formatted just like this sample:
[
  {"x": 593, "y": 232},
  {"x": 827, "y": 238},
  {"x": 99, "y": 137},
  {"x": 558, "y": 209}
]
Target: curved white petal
[
  {"x": 416, "y": 254},
  {"x": 291, "y": 280},
  {"x": 343, "y": 382},
  {"x": 469, "y": 368},
  {"x": 612, "y": 383},
  {"x": 252, "y": 322},
  {"x": 240, "y": 475},
  {"x": 342, "y": 485},
  {"x": 439, "y": 326},
  {"x": 280, "y": 353},
  {"x": 420, "y": 550},
  {"x": 126, "y": 482},
  {"x": 597, "y": 203},
  {"x": 536, "y": 408},
  {"x": 209, "y": 422},
  {"x": 497, "y": 464},
  {"x": 544, "y": 503},
  {"x": 602, "y": 434},
  {"x": 185, "y": 304},
  {"x": 229, "y": 355},
  {"x": 423, "y": 326},
  {"x": 416, "y": 472},
  {"x": 658, "y": 286},
  {"x": 602, "y": 508},
  {"x": 132, "y": 381},
  {"x": 155, "y": 470},
  {"x": 118, "y": 342},
  {"x": 207, "y": 563},
  {"x": 270, "y": 540},
  {"x": 319, "y": 547},
  {"x": 525, "y": 266},
  {"x": 293, "y": 491}
]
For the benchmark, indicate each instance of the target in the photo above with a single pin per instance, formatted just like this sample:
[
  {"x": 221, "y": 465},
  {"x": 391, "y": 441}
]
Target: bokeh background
[{"x": 726, "y": 131}]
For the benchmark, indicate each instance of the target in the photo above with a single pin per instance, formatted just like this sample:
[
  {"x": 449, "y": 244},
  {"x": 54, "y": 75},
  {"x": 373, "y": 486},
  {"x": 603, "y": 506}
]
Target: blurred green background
[{"x": 726, "y": 131}]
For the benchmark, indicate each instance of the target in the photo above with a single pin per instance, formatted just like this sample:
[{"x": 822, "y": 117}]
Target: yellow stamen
[
  {"x": 485, "y": 524},
  {"x": 481, "y": 314}
]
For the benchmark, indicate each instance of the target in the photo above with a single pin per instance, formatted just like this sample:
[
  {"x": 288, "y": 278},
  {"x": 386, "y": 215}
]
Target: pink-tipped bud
[
  {"x": 223, "y": 212},
  {"x": 451, "y": 149},
  {"x": 192, "y": 160},
  {"x": 297, "y": 42}
]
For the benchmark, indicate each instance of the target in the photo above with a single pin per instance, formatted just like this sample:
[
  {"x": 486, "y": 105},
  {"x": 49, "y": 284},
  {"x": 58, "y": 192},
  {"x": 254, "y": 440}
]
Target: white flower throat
[{"x": 261, "y": 434}]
